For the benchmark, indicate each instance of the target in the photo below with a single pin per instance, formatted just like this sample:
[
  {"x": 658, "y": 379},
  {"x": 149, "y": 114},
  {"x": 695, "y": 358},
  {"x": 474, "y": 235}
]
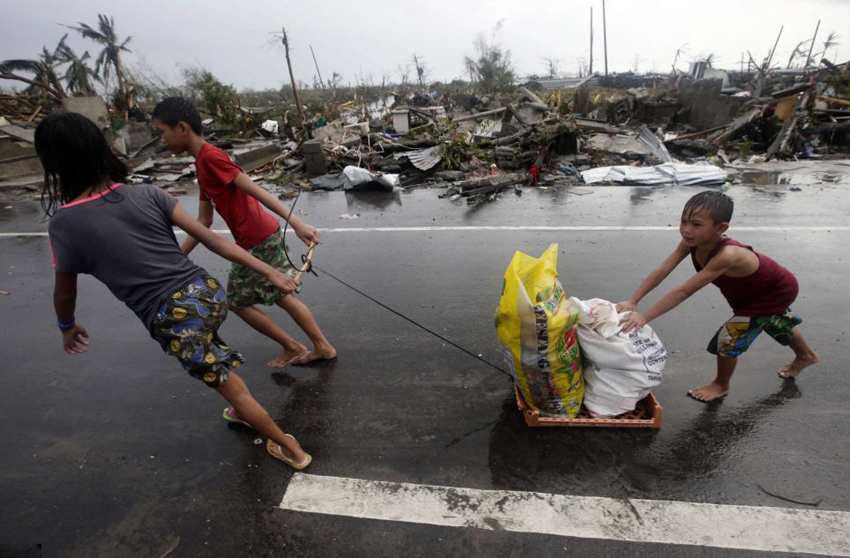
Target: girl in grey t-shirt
[{"x": 122, "y": 235}]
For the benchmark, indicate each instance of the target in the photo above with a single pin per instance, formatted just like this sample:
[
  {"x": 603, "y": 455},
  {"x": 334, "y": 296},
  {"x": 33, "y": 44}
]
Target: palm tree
[
  {"x": 43, "y": 69},
  {"x": 78, "y": 74},
  {"x": 109, "y": 59},
  {"x": 831, "y": 41}
]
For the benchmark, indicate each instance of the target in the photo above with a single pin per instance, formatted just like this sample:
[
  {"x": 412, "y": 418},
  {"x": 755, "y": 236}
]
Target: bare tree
[
  {"x": 421, "y": 70},
  {"x": 551, "y": 64},
  {"x": 636, "y": 63},
  {"x": 583, "y": 68},
  {"x": 799, "y": 50},
  {"x": 681, "y": 51},
  {"x": 403, "y": 71}
]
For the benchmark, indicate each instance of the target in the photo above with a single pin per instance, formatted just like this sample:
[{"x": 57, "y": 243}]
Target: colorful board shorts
[
  {"x": 735, "y": 336},
  {"x": 186, "y": 327},
  {"x": 246, "y": 287}
]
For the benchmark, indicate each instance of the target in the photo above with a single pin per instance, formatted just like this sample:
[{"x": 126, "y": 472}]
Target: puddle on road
[{"x": 790, "y": 177}]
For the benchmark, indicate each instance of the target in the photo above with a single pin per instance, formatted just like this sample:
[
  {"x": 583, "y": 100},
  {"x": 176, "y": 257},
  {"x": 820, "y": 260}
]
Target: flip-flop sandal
[
  {"x": 229, "y": 414},
  {"x": 275, "y": 451}
]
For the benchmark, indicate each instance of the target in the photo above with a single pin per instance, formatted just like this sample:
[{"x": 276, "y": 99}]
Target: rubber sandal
[
  {"x": 229, "y": 414},
  {"x": 275, "y": 451}
]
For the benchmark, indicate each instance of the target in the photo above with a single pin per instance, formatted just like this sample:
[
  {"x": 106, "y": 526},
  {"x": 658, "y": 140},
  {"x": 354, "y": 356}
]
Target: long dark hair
[{"x": 75, "y": 156}]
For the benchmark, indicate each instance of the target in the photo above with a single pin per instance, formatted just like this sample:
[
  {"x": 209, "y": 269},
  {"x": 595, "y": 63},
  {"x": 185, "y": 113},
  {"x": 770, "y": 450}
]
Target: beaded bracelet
[{"x": 66, "y": 325}]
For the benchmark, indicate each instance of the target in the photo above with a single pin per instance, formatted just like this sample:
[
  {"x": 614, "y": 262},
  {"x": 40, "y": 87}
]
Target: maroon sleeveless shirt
[{"x": 767, "y": 292}]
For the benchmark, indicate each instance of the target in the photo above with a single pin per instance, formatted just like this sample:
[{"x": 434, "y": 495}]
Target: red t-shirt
[
  {"x": 769, "y": 291},
  {"x": 244, "y": 215}
]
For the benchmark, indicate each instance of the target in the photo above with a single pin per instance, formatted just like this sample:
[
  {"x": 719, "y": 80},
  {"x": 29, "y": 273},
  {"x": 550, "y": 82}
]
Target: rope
[
  {"x": 311, "y": 267},
  {"x": 414, "y": 322}
]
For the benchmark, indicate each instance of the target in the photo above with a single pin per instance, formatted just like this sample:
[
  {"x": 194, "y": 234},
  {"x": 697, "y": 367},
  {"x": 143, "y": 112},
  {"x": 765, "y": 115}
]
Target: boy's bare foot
[
  {"x": 319, "y": 353},
  {"x": 708, "y": 392},
  {"x": 796, "y": 366},
  {"x": 287, "y": 357}
]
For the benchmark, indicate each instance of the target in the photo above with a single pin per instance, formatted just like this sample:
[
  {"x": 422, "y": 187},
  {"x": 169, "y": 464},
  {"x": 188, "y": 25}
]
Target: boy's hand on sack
[
  {"x": 308, "y": 234},
  {"x": 75, "y": 340},
  {"x": 283, "y": 282},
  {"x": 632, "y": 322},
  {"x": 626, "y": 306}
]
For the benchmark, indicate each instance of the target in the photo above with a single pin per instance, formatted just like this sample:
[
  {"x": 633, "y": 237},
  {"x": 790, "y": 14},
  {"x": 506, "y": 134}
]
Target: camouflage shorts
[
  {"x": 186, "y": 327},
  {"x": 246, "y": 287}
]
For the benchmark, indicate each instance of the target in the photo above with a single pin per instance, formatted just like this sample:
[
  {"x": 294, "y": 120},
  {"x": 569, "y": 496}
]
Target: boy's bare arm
[
  {"x": 228, "y": 249},
  {"x": 304, "y": 231},
  {"x": 65, "y": 302},
  {"x": 655, "y": 278},
  {"x": 205, "y": 217},
  {"x": 718, "y": 265}
]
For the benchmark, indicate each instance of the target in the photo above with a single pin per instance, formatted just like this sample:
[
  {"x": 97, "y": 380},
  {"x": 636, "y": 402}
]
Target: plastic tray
[{"x": 647, "y": 414}]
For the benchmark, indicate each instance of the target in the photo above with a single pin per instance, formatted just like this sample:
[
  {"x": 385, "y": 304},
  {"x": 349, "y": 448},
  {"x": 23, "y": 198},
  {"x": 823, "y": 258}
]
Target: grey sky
[{"x": 231, "y": 38}]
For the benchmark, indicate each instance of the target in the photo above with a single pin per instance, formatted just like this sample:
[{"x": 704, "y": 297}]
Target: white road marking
[
  {"x": 655, "y": 521},
  {"x": 517, "y": 228}
]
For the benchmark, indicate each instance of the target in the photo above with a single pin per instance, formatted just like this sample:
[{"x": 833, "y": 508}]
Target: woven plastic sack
[
  {"x": 537, "y": 332},
  {"x": 620, "y": 368}
]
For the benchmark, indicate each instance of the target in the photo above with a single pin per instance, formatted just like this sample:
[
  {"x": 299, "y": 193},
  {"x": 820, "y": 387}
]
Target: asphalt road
[{"x": 120, "y": 453}]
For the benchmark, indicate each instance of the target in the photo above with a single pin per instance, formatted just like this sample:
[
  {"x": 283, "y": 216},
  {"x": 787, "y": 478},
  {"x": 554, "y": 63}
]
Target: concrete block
[{"x": 92, "y": 108}]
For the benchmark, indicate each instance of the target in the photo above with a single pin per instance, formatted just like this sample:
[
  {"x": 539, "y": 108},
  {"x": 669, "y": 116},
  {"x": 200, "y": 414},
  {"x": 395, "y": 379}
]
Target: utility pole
[
  {"x": 770, "y": 58},
  {"x": 605, "y": 36},
  {"x": 318, "y": 71},
  {"x": 591, "y": 40},
  {"x": 742, "y": 62},
  {"x": 809, "y": 57},
  {"x": 285, "y": 42}
]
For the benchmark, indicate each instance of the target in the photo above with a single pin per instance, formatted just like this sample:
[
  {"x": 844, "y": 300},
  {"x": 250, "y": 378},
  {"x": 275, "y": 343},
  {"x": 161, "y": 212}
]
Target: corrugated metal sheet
[{"x": 422, "y": 159}]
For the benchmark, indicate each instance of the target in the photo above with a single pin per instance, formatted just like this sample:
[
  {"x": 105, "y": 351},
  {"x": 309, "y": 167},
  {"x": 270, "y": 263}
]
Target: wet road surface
[{"x": 120, "y": 453}]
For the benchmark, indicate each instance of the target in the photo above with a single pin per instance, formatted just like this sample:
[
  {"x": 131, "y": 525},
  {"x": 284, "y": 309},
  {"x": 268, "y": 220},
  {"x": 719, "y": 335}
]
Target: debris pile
[{"x": 678, "y": 129}]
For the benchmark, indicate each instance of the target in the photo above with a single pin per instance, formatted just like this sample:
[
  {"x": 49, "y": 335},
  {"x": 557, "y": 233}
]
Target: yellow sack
[{"x": 537, "y": 330}]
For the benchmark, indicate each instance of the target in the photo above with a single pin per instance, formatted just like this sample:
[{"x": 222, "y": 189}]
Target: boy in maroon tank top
[{"x": 759, "y": 290}]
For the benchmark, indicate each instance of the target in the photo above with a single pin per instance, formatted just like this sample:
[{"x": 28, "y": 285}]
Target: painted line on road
[
  {"x": 518, "y": 228},
  {"x": 654, "y": 521}
]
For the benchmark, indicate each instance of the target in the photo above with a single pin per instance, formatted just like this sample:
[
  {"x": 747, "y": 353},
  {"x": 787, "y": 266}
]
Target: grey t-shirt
[{"x": 123, "y": 237}]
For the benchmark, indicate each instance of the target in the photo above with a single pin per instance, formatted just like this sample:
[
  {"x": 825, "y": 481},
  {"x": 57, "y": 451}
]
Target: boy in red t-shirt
[
  {"x": 759, "y": 290},
  {"x": 237, "y": 199}
]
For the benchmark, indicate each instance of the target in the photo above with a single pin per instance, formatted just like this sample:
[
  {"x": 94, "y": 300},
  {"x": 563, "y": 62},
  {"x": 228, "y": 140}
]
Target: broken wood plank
[
  {"x": 484, "y": 114},
  {"x": 782, "y": 144}
]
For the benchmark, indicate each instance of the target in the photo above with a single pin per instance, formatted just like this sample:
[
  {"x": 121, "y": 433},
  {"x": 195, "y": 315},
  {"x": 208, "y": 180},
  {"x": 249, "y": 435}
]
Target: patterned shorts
[
  {"x": 735, "y": 336},
  {"x": 246, "y": 287},
  {"x": 186, "y": 327}
]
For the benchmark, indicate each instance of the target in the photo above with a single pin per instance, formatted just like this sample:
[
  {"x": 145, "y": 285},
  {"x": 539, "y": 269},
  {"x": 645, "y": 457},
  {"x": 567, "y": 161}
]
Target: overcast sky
[{"x": 374, "y": 37}]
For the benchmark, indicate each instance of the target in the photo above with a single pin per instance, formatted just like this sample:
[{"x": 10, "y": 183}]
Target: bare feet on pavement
[
  {"x": 708, "y": 392},
  {"x": 287, "y": 357},
  {"x": 317, "y": 354},
  {"x": 796, "y": 366}
]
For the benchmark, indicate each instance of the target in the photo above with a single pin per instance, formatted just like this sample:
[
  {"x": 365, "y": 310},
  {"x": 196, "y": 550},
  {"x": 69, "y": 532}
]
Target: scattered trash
[
  {"x": 350, "y": 216},
  {"x": 4, "y": 293}
]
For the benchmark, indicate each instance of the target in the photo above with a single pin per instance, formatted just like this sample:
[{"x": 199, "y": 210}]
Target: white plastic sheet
[{"x": 680, "y": 174}]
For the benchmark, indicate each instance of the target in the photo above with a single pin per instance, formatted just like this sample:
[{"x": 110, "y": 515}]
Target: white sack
[{"x": 620, "y": 369}]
